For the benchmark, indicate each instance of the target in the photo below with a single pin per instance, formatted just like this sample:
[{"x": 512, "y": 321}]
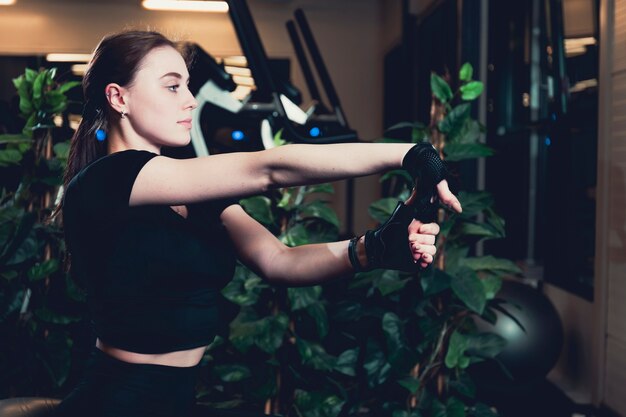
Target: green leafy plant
[
  {"x": 35, "y": 329},
  {"x": 427, "y": 336}
]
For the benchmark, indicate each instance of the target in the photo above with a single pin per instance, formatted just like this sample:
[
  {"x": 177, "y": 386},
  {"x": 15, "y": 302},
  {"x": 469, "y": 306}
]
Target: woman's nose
[{"x": 191, "y": 101}]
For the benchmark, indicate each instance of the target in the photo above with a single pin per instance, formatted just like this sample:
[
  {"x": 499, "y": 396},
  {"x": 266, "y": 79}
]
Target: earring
[{"x": 123, "y": 114}]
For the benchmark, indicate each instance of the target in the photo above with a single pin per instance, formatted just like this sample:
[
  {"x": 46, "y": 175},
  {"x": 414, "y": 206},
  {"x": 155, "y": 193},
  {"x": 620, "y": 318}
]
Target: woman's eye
[{"x": 173, "y": 88}]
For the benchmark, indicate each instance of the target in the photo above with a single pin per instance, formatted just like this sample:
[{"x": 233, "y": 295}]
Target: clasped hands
[
  {"x": 387, "y": 246},
  {"x": 422, "y": 235}
]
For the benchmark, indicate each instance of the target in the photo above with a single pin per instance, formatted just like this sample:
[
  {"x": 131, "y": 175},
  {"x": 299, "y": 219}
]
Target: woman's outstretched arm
[
  {"x": 172, "y": 181},
  {"x": 309, "y": 264}
]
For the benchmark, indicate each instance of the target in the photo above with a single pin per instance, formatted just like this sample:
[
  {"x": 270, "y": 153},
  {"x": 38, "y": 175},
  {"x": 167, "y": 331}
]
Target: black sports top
[{"x": 152, "y": 277}]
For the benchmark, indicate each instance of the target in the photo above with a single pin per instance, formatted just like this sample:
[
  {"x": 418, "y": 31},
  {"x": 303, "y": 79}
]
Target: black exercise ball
[{"x": 531, "y": 354}]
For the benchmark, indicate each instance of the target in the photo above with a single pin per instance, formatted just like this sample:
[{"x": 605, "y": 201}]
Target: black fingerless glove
[
  {"x": 422, "y": 162},
  {"x": 388, "y": 246}
]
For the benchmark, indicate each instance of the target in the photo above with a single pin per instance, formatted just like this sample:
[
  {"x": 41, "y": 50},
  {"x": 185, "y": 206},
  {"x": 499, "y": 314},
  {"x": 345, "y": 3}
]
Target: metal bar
[
  {"x": 303, "y": 61},
  {"x": 322, "y": 71}
]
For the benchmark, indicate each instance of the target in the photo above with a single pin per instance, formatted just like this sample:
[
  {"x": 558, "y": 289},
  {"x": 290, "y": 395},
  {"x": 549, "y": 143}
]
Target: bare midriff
[{"x": 181, "y": 358}]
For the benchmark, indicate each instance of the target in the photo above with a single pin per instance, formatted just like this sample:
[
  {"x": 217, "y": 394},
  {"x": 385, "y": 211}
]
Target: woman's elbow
[{"x": 276, "y": 269}]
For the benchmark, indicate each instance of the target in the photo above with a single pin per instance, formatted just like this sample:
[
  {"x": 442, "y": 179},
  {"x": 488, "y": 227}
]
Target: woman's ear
[{"x": 115, "y": 97}]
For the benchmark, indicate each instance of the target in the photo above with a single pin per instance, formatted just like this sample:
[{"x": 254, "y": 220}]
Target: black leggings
[{"x": 114, "y": 388}]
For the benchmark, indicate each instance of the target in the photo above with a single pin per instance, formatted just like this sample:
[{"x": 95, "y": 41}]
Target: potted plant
[{"x": 31, "y": 247}]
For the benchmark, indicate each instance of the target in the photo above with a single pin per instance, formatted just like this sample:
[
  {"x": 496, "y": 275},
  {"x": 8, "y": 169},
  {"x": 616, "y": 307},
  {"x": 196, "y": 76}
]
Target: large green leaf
[
  {"x": 464, "y": 386},
  {"x": 470, "y": 132},
  {"x": 485, "y": 345},
  {"x": 50, "y": 74},
  {"x": 245, "y": 287},
  {"x": 491, "y": 285},
  {"x": 259, "y": 208},
  {"x": 346, "y": 362},
  {"x": 434, "y": 281},
  {"x": 474, "y": 202},
  {"x": 320, "y": 188},
  {"x": 440, "y": 88},
  {"x": 232, "y": 372},
  {"x": 266, "y": 333},
  {"x": 375, "y": 365},
  {"x": 65, "y": 87},
  {"x": 467, "y": 287},
  {"x": 382, "y": 209},
  {"x": 466, "y": 72},
  {"x": 42, "y": 270},
  {"x": 26, "y": 106},
  {"x": 295, "y": 236},
  {"x": 302, "y": 297},
  {"x": 455, "y": 120},
  {"x": 463, "y": 151},
  {"x": 314, "y": 355},
  {"x": 319, "y": 210},
  {"x": 270, "y": 340},
  {"x": 30, "y": 75},
  {"x": 411, "y": 384},
  {"x": 318, "y": 313},
  {"x": 490, "y": 263},
  {"x": 480, "y": 229},
  {"x": 472, "y": 90},
  {"x": 38, "y": 87},
  {"x": 455, "y": 256},
  {"x": 495, "y": 221},
  {"x": 9, "y": 274},
  {"x": 317, "y": 404},
  {"x": 399, "y": 353},
  {"x": 62, "y": 150},
  {"x": 10, "y": 303},
  {"x": 455, "y": 356},
  {"x": 15, "y": 139},
  {"x": 390, "y": 282},
  {"x": 23, "y": 246},
  {"x": 10, "y": 157},
  {"x": 455, "y": 407},
  {"x": 49, "y": 316}
]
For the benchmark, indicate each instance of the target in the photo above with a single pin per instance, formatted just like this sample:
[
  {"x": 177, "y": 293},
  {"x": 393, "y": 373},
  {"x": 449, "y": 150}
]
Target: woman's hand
[
  {"x": 422, "y": 241},
  {"x": 422, "y": 235},
  {"x": 444, "y": 194}
]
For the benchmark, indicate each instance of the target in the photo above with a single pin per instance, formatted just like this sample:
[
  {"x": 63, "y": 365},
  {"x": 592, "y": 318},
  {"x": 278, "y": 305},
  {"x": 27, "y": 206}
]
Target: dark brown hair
[{"x": 117, "y": 59}]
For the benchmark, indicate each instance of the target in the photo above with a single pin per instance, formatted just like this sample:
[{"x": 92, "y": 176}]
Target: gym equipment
[{"x": 530, "y": 354}]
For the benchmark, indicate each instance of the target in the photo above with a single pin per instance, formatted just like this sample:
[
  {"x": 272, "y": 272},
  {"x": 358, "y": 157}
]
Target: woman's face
[{"x": 159, "y": 101}]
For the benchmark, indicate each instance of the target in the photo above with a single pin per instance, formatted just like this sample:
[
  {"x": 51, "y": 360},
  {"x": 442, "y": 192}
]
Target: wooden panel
[
  {"x": 615, "y": 384},
  {"x": 618, "y": 115},
  {"x": 615, "y": 360},
  {"x": 619, "y": 33}
]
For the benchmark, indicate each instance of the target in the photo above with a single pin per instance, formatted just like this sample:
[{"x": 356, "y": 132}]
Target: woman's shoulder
[
  {"x": 110, "y": 168},
  {"x": 114, "y": 161}
]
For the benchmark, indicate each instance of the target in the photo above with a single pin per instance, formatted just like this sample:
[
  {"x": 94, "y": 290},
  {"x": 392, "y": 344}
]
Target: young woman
[{"x": 154, "y": 239}]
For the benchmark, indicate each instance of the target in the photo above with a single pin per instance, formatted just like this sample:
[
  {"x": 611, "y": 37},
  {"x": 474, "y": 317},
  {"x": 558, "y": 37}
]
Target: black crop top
[{"x": 152, "y": 277}]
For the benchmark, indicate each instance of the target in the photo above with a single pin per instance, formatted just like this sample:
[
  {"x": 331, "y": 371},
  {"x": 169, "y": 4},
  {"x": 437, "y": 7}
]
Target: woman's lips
[{"x": 186, "y": 123}]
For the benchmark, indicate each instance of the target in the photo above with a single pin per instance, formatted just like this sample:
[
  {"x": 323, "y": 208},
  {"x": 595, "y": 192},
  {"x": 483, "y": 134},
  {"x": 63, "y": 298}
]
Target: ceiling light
[
  {"x": 235, "y": 61},
  {"x": 68, "y": 57},
  {"x": 79, "y": 69},
  {"x": 187, "y": 5},
  {"x": 6, "y": 2}
]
